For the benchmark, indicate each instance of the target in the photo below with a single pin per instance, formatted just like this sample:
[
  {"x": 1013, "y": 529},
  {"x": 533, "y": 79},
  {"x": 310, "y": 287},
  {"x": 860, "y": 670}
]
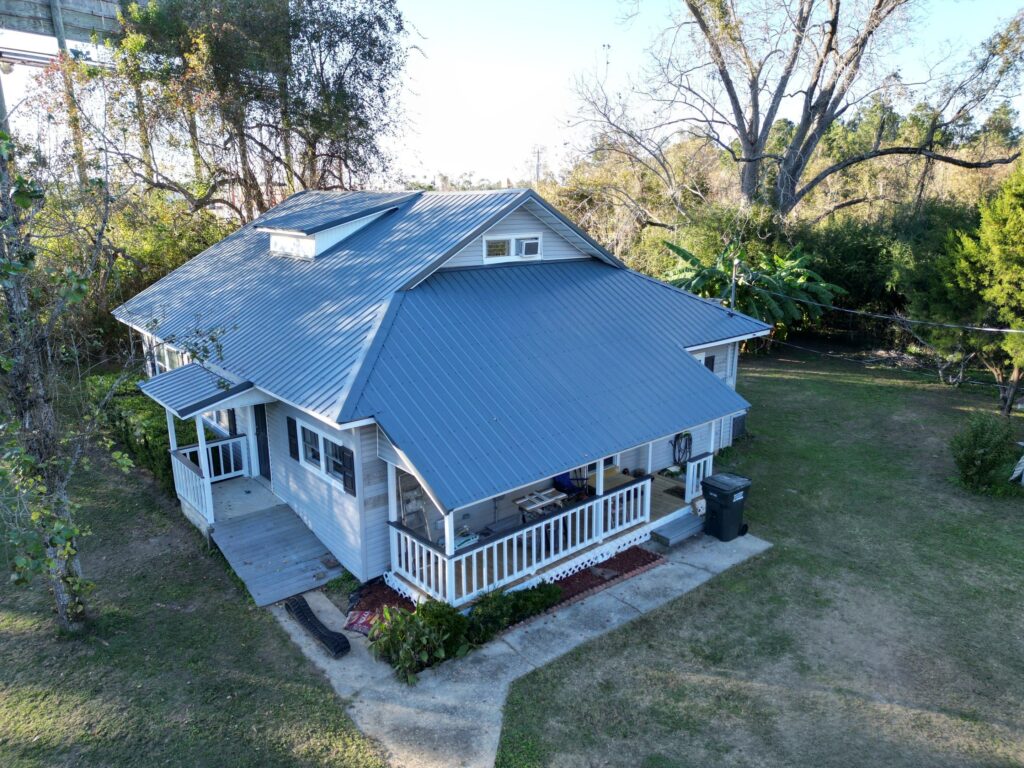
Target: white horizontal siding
[
  {"x": 332, "y": 514},
  {"x": 374, "y": 496},
  {"x": 519, "y": 222}
]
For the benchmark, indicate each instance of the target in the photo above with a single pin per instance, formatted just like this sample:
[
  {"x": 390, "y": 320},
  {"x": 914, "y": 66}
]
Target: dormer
[{"x": 311, "y": 232}]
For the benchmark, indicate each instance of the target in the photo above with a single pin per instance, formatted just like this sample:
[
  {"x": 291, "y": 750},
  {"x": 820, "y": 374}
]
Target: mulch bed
[
  {"x": 629, "y": 562},
  {"x": 375, "y": 595}
]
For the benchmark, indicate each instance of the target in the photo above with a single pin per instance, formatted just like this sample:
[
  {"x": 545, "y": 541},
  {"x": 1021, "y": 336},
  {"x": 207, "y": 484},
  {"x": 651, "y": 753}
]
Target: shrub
[
  {"x": 411, "y": 641},
  {"x": 983, "y": 452},
  {"x": 139, "y": 425},
  {"x": 498, "y": 610}
]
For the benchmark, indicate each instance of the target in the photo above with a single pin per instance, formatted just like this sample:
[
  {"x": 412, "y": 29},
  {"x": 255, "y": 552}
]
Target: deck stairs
[{"x": 678, "y": 530}]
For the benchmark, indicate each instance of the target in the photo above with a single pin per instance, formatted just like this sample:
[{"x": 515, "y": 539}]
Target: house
[{"x": 456, "y": 391}]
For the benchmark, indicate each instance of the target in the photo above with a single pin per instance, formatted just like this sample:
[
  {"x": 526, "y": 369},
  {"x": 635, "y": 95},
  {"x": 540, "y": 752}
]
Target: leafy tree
[
  {"x": 780, "y": 290},
  {"x": 990, "y": 265}
]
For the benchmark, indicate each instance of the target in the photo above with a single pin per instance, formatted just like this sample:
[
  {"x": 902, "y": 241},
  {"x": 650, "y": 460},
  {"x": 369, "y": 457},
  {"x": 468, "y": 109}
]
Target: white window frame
[
  {"x": 511, "y": 240},
  {"x": 321, "y": 470}
]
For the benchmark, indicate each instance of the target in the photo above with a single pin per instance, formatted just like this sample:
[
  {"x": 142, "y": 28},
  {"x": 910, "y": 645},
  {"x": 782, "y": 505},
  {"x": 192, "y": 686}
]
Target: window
[
  {"x": 709, "y": 362},
  {"x": 496, "y": 249},
  {"x": 512, "y": 248},
  {"x": 311, "y": 446},
  {"x": 341, "y": 465},
  {"x": 293, "y": 439}
]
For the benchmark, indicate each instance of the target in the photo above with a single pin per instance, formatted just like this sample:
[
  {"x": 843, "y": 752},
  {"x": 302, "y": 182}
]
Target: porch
[{"x": 613, "y": 511}]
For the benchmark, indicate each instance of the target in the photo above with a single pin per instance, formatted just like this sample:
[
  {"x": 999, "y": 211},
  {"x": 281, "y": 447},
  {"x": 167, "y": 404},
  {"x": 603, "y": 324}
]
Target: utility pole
[
  {"x": 536, "y": 166},
  {"x": 732, "y": 293}
]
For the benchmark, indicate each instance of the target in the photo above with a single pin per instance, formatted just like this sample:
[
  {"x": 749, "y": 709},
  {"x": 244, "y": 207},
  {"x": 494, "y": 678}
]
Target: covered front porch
[{"x": 539, "y": 532}]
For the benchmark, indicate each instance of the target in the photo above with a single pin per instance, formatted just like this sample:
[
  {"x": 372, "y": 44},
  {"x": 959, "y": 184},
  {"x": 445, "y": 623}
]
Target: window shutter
[
  {"x": 709, "y": 362},
  {"x": 232, "y": 422},
  {"x": 293, "y": 439},
  {"x": 348, "y": 463}
]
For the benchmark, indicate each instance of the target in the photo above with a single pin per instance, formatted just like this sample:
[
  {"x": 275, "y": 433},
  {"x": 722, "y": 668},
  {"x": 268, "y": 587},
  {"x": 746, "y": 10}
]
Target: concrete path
[{"x": 453, "y": 716}]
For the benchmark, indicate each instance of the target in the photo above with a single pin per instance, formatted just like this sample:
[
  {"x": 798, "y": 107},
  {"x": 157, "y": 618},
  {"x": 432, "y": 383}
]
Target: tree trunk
[
  {"x": 1010, "y": 390},
  {"x": 74, "y": 119},
  {"x": 286, "y": 133},
  {"x": 145, "y": 143}
]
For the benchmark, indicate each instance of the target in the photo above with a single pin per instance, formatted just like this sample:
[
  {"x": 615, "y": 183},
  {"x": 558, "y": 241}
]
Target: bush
[
  {"x": 139, "y": 425},
  {"x": 411, "y": 641},
  {"x": 983, "y": 452},
  {"x": 498, "y": 610}
]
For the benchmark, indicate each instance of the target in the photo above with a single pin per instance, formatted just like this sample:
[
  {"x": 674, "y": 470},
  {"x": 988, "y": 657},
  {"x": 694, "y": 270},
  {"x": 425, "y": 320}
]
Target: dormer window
[{"x": 515, "y": 248}]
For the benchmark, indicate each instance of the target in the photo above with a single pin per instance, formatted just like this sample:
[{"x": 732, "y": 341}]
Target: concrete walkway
[{"x": 453, "y": 716}]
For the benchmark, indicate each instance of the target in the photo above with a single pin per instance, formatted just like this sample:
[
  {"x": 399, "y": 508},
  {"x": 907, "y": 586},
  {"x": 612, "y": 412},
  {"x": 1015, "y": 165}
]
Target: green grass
[
  {"x": 179, "y": 669},
  {"x": 885, "y": 627}
]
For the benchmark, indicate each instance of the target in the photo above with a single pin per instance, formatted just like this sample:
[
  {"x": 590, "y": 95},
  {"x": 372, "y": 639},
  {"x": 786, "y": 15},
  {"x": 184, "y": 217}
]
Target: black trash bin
[{"x": 725, "y": 494}]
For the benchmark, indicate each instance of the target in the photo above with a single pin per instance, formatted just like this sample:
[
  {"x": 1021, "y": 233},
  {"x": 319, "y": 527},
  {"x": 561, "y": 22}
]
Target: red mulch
[
  {"x": 626, "y": 563},
  {"x": 375, "y": 596}
]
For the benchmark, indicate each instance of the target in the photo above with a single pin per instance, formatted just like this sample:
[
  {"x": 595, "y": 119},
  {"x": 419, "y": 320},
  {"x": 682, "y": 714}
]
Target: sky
[{"x": 490, "y": 83}]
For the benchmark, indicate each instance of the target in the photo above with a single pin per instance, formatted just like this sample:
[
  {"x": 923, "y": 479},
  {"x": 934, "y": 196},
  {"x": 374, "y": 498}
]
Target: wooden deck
[
  {"x": 275, "y": 554},
  {"x": 666, "y": 496}
]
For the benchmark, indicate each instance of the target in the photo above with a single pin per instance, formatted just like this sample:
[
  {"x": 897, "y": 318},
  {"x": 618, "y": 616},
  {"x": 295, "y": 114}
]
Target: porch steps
[{"x": 678, "y": 530}]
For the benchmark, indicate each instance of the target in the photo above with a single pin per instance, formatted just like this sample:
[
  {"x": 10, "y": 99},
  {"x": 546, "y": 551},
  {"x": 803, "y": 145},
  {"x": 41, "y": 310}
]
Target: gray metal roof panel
[
  {"x": 491, "y": 378},
  {"x": 313, "y": 211},
  {"x": 189, "y": 388},
  {"x": 299, "y": 328}
]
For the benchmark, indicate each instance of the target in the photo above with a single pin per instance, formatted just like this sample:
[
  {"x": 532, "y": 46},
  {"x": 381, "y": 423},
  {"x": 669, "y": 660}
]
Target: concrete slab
[{"x": 452, "y": 718}]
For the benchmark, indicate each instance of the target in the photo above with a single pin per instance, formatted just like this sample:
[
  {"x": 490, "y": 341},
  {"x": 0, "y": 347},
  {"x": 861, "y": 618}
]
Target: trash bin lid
[{"x": 724, "y": 482}]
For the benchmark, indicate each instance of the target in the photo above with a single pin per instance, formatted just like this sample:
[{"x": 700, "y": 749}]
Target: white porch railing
[
  {"x": 697, "y": 469},
  {"x": 227, "y": 459},
  {"x": 494, "y": 563}
]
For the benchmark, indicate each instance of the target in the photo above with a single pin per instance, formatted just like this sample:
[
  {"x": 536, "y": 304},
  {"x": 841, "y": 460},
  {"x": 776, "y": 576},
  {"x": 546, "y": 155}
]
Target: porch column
[
  {"x": 172, "y": 434},
  {"x": 649, "y": 462},
  {"x": 449, "y": 563},
  {"x": 599, "y": 503},
  {"x": 204, "y": 463},
  {"x": 393, "y": 513}
]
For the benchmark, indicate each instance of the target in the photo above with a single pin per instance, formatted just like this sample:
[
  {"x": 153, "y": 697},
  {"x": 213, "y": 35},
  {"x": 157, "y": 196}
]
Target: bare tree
[{"x": 729, "y": 70}]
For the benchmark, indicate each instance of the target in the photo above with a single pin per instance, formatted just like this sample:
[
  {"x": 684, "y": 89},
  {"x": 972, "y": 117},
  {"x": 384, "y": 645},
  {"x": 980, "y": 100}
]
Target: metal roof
[
  {"x": 296, "y": 328},
  {"x": 313, "y": 211},
  {"x": 490, "y": 378},
  {"x": 190, "y": 389}
]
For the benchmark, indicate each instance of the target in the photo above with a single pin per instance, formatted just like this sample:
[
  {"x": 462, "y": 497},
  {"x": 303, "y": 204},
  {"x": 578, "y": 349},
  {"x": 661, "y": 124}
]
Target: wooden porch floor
[
  {"x": 666, "y": 496},
  {"x": 274, "y": 553}
]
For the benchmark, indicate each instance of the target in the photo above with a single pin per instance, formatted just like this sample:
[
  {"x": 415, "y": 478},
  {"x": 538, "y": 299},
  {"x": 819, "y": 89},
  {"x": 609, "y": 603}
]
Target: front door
[{"x": 262, "y": 446}]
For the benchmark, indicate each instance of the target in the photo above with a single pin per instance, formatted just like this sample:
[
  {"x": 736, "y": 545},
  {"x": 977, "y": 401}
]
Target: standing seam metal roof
[
  {"x": 298, "y": 328},
  {"x": 490, "y": 378}
]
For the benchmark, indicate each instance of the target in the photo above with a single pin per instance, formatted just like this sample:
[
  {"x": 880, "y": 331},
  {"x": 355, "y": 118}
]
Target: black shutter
[
  {"x": 709, "y": 362},
  {"x": 232, "y": 422},
  {"x": 293, "y": 438},
  {"x": 348, "y": 464}
]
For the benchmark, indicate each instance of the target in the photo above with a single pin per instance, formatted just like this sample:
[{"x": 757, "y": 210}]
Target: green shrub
[
  {"x": 411, "y": 641},
  {"x": 983, "y": 452},
  {"x": 139, "y": 425},
  {"x": 498, "y": 610}
]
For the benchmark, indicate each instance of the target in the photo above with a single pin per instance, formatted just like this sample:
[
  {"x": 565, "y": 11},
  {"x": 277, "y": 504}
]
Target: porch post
[
  {"x": 599, "y": 478},
  {"x": 204, "y": 463},
  {"x": 649, "y": 463},
  {"x": 172, "y": 434},
  {"x": 599, "y": 503},
  {"x": 449, "y": 563},
  {"x": 393, "y": 513}
]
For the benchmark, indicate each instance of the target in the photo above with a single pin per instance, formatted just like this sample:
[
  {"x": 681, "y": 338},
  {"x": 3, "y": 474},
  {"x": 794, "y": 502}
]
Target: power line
[{"x": 897, "y": 318}]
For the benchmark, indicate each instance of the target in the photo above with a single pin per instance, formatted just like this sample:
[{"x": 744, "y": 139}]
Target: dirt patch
[{"x": 374, "y": 595}]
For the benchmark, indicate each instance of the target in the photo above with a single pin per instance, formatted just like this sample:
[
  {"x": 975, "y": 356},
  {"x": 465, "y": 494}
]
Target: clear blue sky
[{"x": 495, "y": 79}]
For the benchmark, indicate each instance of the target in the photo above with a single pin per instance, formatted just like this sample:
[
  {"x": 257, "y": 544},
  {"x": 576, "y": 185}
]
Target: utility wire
[{"x": 897, "y": 318}]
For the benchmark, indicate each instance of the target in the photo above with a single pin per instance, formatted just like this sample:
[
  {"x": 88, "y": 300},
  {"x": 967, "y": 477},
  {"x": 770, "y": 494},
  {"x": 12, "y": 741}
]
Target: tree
[
  {"x": 41, "y": 445},
  {"x": 780, "y": 290},
  {"x": 990, "y": 265},
  {"x": 728, "y": 71}
]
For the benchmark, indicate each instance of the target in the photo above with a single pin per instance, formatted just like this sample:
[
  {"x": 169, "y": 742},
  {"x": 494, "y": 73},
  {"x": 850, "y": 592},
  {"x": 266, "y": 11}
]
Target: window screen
[
  {"x": 311, "y": 446},
  {"x": 497, "y": 249}
]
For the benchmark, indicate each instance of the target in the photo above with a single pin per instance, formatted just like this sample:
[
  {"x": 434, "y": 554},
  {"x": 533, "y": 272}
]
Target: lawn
[
  {"x": 885, "y": 627},
  {"x": 180, "y": 669}
]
